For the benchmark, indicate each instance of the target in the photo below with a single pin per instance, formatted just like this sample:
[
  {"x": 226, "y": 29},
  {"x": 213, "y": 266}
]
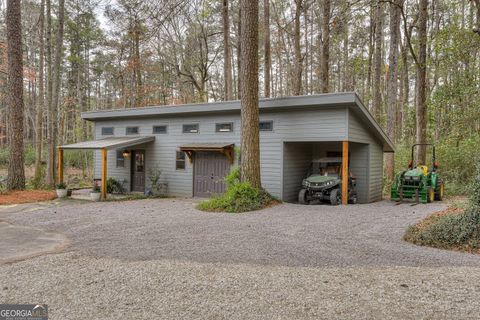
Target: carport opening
[{"x": 298, "y": 157}]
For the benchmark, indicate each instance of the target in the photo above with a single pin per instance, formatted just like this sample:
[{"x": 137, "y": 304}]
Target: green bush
[
  {"x": 239, "y": 197},
  {"x": 452, "y": 230},
  {"x": 115, "y": 186}
]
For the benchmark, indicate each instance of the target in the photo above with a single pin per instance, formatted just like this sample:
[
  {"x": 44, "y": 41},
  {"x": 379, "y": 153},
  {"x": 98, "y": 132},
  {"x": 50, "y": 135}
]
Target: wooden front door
[
  {"x": 210, "y": 168},
  {"x": 138, "y": 170}
]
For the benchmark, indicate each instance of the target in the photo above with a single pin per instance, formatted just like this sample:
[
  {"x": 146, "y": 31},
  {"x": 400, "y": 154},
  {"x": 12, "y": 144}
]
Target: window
[
  {"x": 159, "y": 129},
  {"x": 107, "y": 131},
  {"x": 190, "y": 128},
  {"x": 180, "y": 160},
  {"x": 120, "y": 159},
  {"x": 224, "y": 127},
  {"x": 266, "y": 125},
  {"x": 132, "y": 130}
]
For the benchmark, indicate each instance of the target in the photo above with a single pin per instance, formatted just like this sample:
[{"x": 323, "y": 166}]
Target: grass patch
[
  {"x": 239, "y": 197},
  {"x": 456, "y": 228}
]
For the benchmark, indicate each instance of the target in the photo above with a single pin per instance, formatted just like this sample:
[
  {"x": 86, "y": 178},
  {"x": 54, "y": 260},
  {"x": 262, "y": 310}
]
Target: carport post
[
  {"x": 103, "y": 187},
  {"x": 344, "y": 172},
  {"x": 60, "y": 165}
]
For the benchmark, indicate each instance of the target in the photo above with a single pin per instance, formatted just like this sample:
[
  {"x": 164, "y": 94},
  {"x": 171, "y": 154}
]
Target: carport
[
  {"x": 297, "y": 157},
  {"x": 104, "y": 145}
]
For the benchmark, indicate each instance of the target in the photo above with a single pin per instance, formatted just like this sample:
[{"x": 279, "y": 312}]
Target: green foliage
[
  {"x": 96, "y": 189},
  {"x": 115, "y": 186},
  {"x": 29, "y": 154},
  {"x": 61, "y": 186},
  {"x": 240, "y": 196},
  {"x": 451, "y": 230}
]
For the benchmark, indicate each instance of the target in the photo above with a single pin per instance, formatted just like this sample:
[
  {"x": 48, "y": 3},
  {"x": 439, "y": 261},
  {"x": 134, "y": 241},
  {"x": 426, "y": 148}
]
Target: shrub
[
  {"x": 115, "y": 186},
  {"x": 61, "y": 186},
  {"x": 239, "y": 197}
]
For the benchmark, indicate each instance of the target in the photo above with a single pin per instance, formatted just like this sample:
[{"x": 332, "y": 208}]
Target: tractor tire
[
  {"x": 335, "y": 197},
  {"x": 440, "y": 190},
  {"x": 302, "y": 197},
  {"x": 430, "y": 195}
]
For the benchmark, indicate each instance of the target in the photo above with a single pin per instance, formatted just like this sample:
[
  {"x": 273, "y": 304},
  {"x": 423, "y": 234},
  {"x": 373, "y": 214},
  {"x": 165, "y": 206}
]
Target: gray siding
[
  {"x": 357, "y": 132},
  {"x": 296, "y": 161},
  {"x": 359, "y": 168},
  {"x": 327, "y": 124}
]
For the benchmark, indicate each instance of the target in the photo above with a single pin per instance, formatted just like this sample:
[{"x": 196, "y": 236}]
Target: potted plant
[
  {"x": 61, "y": 190},
  {"x": 95, "y": 193}
]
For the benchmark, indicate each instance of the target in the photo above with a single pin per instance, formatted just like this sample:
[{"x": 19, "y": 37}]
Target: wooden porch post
[
  {"x": 104, "y": 174},
  {"x": 60, "y": 165},
  {"x": 345, "y": 172}
]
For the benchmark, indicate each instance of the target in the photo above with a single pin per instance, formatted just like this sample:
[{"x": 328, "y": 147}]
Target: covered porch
[{"x": 102, "y": 145}]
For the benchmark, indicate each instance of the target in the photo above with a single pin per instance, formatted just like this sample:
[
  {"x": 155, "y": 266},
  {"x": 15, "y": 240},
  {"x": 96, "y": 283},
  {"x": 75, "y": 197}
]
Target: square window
[
  {"x": 159, "y": 129},
  {"x": 107, "y": 131},
  {"x": 132, "y": 130},
  {"x": 180, "y": 160},
  {"x": 266, "y": 125},
  {"x": 224, "y": 127},
  {"x": 190, "y": 128},
  {"x": 120, "y": 159}
]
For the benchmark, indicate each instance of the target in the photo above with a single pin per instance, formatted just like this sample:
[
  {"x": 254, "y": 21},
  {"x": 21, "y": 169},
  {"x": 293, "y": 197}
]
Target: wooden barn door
[{"x": 210, "y": 168}]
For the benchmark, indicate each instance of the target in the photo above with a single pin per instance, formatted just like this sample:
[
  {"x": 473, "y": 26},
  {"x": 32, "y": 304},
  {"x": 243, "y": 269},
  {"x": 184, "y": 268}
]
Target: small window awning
[
  {"x": 109, "y": 143},
  {"x": 225, "y": 148}
]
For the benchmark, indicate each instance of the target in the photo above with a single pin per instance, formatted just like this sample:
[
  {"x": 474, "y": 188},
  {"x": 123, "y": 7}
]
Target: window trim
[
  {"x": 265, "y": 121},
  {"x": 160, "y": 125},
  {"x": 224, "y": 123},
  {"x": 180, "y": 160},
  {"x": 108, "y": 134},
  {"x": 190, "y": 124},
  {"x": 131, "y": 134}
]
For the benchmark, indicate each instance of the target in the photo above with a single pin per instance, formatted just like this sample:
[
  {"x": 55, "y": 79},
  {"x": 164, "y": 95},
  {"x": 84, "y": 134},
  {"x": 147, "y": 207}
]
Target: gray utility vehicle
[{"x": 324, "y": 183}]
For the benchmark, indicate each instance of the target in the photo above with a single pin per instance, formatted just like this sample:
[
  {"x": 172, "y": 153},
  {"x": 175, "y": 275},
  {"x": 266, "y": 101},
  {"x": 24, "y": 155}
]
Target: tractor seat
[{"x": 423, "y": 168}]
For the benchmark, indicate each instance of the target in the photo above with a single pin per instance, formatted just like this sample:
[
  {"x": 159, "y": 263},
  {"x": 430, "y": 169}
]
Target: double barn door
[{"x": 210, "y": 168}]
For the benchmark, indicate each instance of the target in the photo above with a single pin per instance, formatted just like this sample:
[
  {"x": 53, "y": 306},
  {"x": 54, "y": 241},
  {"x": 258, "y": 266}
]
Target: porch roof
[
  {"x": 206, "y": 146},
  {"x": 109, "y": 143}
]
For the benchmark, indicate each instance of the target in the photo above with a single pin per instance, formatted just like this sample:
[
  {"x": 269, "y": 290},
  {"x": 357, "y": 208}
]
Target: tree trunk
[
  {"x": 422, "y": 80},
  {"x": 227, "y": 59},
  {"x": 41, "y": 97},
  {"x": 392, "y": 83},
  {"x": 377, "y": 63},
  {"x": 56, "y": 93},
  {"x": 239, "y": 53},
  {"x": 138, "y": 66},
  {"x": 16, "y": 171},
  {"x": 49, "y": 178},
  {"x": 268, "y": 54},
  {"x": 325, "y": 46},
  {"x": 250, "y": 144},
  {"x": 297, "y": 73}
]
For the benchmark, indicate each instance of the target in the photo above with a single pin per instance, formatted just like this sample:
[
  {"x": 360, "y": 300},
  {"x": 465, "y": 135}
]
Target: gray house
[{"x": 193, "y": 145}]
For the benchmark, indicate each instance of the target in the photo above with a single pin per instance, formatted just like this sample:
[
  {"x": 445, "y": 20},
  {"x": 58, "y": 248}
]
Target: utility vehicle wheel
[
  {"x": 430, "y": 195},
  {"x": 440, "y": 190},
  {"x": 353, "y": 199},
  {"x": 335, "y": 197},
  {"x": 302, "y": 197}
]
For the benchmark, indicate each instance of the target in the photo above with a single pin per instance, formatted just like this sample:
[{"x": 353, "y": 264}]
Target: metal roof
[
  {"x": 349, "y": 99},
  {"x": 206, "y": 146},
  {"x": 109, "y": 143}
]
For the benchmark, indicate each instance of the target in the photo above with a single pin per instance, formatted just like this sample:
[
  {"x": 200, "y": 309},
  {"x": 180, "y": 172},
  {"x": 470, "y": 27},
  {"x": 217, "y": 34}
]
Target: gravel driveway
[
  {"x": 284, "y": 235},
  {"x": 163, "y": 259}
]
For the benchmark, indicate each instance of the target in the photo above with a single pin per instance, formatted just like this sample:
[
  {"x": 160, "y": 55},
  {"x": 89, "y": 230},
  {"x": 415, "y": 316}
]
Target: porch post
[
  {"x": 345, "y": 172},
  {"x": 60, "y": 165},
  {"x": 104, "y": 174}
]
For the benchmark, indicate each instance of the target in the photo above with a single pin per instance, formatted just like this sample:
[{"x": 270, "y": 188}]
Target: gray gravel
[
  {"x": 79, "y": 287},
  {"x": 162, "y": 259},
  {"x": 284, "y": 235}
]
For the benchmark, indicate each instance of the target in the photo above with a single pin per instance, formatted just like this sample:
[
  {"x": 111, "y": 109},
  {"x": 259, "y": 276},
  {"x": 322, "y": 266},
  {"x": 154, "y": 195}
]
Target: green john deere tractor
[{"x": 419, "y": 183}]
